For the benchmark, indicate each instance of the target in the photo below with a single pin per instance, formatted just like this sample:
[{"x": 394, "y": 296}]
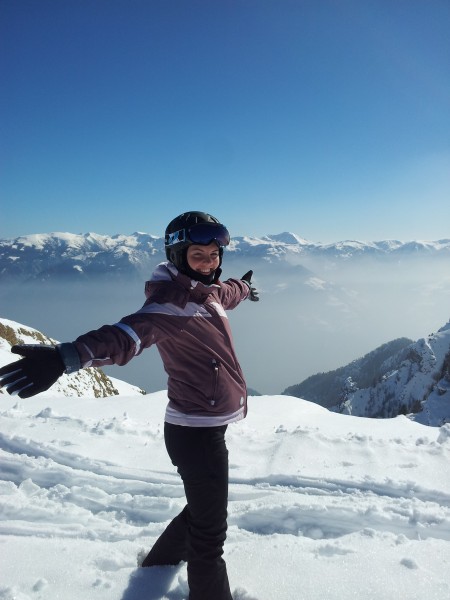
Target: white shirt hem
[{"x": 175, "y": 417}]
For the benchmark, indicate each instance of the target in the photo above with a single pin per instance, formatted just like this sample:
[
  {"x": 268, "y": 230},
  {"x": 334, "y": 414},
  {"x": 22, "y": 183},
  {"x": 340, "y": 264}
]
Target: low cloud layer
[{"x": 312, "y": 317}]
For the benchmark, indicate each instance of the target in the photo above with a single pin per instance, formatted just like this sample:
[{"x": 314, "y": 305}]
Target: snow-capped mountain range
[
  {"x": 45, "y": 256},
  {"x": 405, "y": 378}
]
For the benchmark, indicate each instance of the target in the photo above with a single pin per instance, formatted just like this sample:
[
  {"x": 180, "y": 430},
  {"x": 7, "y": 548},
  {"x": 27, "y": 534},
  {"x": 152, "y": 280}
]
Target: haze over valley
[{"x": 321, "y": 306}]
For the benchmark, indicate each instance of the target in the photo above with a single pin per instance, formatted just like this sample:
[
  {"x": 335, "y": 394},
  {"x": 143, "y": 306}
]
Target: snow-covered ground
[{"x": 322, "y": 506}]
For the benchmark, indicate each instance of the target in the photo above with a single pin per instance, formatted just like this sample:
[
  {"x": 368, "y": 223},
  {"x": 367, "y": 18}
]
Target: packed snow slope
[{"x": 322, "y": 506}]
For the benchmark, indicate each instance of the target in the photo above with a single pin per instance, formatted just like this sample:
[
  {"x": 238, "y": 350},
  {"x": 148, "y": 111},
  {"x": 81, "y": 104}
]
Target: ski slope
[{"x": 322, "y": 506}]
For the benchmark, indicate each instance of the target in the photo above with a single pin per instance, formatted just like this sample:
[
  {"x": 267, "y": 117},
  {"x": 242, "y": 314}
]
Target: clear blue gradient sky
[{"x": 327, "y": 118}]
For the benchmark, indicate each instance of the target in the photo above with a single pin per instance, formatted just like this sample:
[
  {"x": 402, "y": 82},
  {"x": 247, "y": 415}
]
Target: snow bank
[{"x": 322, "y": 506}]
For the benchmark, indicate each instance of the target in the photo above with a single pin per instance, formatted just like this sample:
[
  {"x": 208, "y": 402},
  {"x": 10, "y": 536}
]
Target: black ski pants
[{"x": 198, "y": 533}]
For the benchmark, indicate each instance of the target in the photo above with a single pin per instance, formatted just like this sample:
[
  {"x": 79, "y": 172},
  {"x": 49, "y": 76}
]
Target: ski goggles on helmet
[{"x": 201, "y": 233}]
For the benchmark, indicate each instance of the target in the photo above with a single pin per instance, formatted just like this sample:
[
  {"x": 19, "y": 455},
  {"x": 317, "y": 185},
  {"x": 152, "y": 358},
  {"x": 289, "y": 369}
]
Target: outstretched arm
[
  {"x": 42, "y": 365},
  {"x": 234, "y": 291}
]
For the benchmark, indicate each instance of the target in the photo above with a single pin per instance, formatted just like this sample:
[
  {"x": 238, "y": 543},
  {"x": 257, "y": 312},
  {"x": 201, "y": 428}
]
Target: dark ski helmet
[{"x": 193, "y": 228}]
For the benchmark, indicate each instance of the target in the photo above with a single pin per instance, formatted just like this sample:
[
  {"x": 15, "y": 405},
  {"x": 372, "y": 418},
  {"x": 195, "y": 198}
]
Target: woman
[{"x": 184, "y": 316}]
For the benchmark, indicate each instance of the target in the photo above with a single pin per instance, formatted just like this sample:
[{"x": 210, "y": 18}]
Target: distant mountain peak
[{"x": 287, "y": 238}]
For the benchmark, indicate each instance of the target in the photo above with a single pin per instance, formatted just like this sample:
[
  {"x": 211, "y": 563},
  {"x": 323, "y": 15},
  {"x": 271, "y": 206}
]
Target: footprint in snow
[{"x": 409, "y": 563}]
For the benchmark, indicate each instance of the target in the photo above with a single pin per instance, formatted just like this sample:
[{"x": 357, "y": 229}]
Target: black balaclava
[{"x": 206, "y": 279}]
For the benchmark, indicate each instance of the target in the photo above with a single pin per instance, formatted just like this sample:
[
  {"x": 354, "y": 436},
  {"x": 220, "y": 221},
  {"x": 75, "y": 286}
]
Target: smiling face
[{"x": 203, "y": 259}]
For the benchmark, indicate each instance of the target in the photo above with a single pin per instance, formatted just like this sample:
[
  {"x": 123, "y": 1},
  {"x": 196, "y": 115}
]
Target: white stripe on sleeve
[{"x": 133, "y": 335}]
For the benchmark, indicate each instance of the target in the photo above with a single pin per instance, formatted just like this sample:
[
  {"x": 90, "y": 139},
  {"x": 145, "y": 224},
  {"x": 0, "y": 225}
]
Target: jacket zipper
[{"x": 216, "y": 366}]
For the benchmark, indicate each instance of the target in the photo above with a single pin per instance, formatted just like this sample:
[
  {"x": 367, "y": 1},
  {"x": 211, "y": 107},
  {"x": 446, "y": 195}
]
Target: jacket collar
[{"x": 167, "y": 284}]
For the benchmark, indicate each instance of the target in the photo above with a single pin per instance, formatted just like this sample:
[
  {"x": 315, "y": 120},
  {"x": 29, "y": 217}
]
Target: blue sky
[{"x": 330, "y": 119}]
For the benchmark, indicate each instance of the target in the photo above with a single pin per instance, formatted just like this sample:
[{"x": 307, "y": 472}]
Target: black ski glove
[
  {"x": 253, "y": 292},
  {"x": 39, "y": 368}
]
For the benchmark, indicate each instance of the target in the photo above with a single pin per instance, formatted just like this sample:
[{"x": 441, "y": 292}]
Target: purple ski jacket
[{"x": 187, "y": 322}]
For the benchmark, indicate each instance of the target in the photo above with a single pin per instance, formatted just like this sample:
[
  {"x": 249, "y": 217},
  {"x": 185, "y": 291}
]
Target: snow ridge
[{"x": 415, "y": 381}]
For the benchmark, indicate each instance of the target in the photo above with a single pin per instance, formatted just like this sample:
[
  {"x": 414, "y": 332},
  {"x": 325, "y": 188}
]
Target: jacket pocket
[{"x": 215, "y": 385}]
